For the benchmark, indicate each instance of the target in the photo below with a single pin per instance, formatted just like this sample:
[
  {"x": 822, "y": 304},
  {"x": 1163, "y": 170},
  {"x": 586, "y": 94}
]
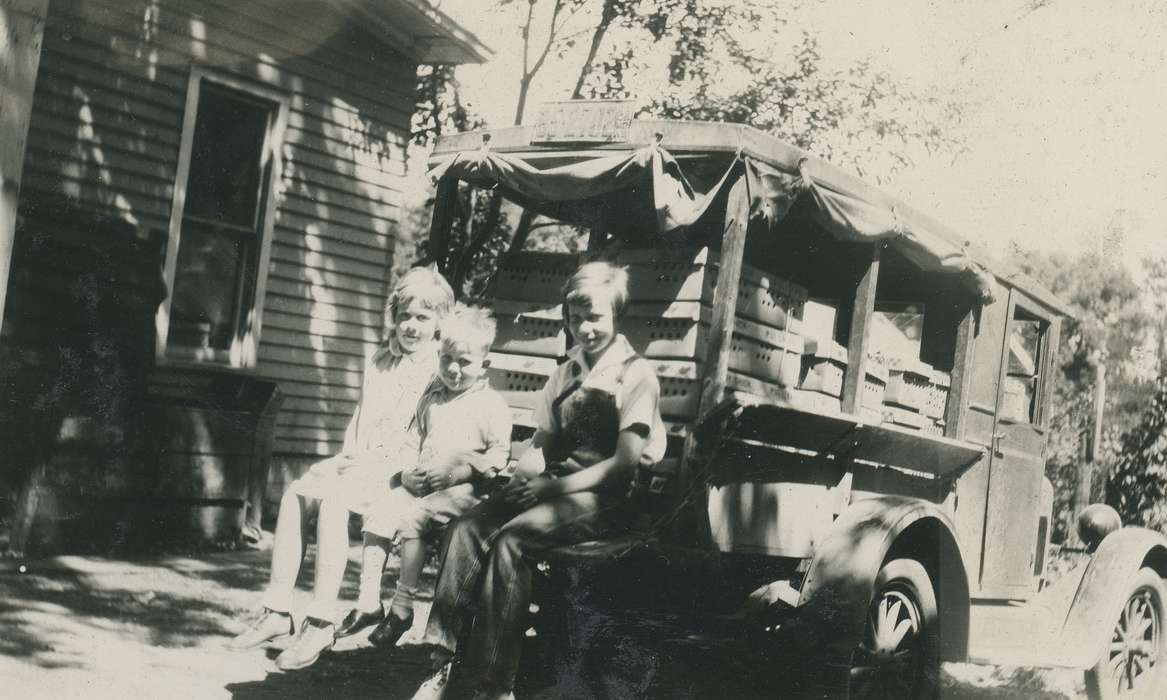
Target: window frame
[{"x": 244, "y": 348}]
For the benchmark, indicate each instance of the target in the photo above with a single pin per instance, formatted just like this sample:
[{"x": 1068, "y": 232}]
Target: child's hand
[
  {"x": 438, "y": 479},
  {"x": 414, "y": 481},
  {"x": 524, "y": 492}
]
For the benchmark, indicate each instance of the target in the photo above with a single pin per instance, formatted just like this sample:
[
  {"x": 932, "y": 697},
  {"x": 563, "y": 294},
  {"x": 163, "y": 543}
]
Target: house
[{"x": 197, "y": 232}]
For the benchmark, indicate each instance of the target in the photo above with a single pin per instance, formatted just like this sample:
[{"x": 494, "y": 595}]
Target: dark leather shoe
[
  {"x": 390, "y": 630},
  {"x": 356, "y": 621}
]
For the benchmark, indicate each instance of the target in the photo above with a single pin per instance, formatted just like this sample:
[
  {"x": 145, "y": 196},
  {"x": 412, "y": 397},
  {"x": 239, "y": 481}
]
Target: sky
[{"x": 1063, "y": 108}]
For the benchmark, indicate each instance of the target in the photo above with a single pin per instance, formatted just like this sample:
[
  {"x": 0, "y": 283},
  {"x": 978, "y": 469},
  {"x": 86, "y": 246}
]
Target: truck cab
[{"x": 857, "y": 396}]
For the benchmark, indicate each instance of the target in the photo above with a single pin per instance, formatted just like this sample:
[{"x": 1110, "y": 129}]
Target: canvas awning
[{"x": 622, "y": 189}]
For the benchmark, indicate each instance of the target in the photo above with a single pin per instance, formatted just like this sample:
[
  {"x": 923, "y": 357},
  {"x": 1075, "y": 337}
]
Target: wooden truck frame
[{"x": 897, "y": 502}]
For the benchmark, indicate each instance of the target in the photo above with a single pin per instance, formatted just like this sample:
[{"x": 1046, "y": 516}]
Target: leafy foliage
[
  {"x": 723, "y": 63},
  {"x": 1113, "y": 324},
  {"x": 1137, "y": 483}
]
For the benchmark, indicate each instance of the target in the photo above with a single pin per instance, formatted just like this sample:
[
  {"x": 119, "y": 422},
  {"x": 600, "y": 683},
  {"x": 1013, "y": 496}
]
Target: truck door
[{"x": 1016, "y": 452}]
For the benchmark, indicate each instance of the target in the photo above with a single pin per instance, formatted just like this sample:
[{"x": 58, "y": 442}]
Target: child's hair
[
  {"x": 469, "y": 325},
  {"x": 612, "y": 279},
  {"x": 419, "y": 284}
]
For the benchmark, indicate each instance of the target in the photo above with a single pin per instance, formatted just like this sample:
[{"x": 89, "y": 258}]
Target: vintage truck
[{"x": 858, "y": 401}]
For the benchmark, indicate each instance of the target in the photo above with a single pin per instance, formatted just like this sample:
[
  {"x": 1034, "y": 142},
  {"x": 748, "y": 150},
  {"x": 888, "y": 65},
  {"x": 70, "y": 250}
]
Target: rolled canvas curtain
[{"x": 613, "y": 190}]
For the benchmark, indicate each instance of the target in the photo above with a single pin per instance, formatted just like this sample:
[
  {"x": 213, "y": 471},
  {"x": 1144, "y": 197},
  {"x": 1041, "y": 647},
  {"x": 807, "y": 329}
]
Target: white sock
[{"x": 369, "y": 597}]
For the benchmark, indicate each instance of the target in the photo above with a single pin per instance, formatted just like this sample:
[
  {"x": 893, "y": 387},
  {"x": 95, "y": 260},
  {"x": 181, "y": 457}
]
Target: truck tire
[
  {"x": 899, "y": 656},
  {"x": 1134, "y": 664}
]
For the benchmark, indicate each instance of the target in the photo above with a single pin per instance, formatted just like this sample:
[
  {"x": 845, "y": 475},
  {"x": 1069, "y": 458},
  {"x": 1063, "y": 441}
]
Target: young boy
[
  {"x": 377, "y": 444},
  {"x": 598, "y": 418},
  {"x": 465, "y": 430}
]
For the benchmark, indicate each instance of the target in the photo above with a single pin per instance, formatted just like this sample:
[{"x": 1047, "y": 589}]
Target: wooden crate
[
  {"x": 680, "y": 330},
  {"x": 534, "y": 276},
  {"x": 520, "y": 379},
  {"x": 937, "y": 401},
  {"x": 657, "y": 274},
  {"x": 529, "y": 328},
  {"x": 908, "y": 385},
  {"x": 824, "y": 368},
  {"x": 905, "y": 418}
]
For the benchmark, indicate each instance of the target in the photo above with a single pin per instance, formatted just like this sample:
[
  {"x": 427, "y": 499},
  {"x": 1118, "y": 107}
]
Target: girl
[{"x": 378, "y": 444}]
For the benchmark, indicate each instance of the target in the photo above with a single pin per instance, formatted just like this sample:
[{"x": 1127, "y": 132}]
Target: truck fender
[
  {"x": 838, "y": 587},
  {"x": 1103, "y": 591}
]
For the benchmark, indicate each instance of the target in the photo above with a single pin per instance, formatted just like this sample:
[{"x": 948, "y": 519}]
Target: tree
[
  {"x": 857, "y": 117},
  {"x": 1137, "y": 484},
  {"x": 1109, "y": 328}
]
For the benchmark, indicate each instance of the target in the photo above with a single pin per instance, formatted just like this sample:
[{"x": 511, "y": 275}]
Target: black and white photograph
[{"x": 612, "y": 349}]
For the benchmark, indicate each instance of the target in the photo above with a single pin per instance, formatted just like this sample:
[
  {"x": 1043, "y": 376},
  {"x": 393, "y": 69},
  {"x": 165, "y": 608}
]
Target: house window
[{"x": 221, "y": 221}]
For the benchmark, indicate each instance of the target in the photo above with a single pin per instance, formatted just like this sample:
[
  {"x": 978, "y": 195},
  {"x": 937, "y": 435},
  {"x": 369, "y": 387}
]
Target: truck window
[{"x": 1027, "y": 340}]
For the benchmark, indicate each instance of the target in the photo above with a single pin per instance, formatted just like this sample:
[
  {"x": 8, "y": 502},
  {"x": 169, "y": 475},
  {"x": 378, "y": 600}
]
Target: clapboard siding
[{"x": 106, "y": 128}]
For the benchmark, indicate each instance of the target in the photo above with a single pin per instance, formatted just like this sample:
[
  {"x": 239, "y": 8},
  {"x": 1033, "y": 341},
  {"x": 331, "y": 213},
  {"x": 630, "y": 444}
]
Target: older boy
[{"x": 598, "y": 419}]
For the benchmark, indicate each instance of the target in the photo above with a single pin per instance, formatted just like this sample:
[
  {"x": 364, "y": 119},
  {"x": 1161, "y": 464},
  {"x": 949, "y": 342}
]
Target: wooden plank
[
  {"x": 305, "y": 357},
  {"x": 321, "y": 376},
  {"x": 278, "y": 337},
  {"x": 790, "y": 427},
  {"x": 231, "y": 44},
  {"x": 314, "y": 225},
  {"x": 332, "y": 193},
  {"x": 909, "y": 449},
  {"x": 330, "y": 247},
  {"x": 725, "y": 296},
  {"x": 308, "y": 294},
  {"x": 297, "y": 446},
  {"x": 371, "y": 270},
  {"x": 329, "y": 212},
  {"x": 956, "y": 411},
  {"x": 54, "y": 108},
  {"x": 332, "y": 329},
  {"x": 857, "y": 341},
  {"x": 155, "y": 79}
]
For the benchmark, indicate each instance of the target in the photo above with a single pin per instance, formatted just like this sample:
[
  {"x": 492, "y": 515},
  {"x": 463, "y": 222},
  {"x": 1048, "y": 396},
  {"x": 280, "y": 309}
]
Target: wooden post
[
  {"x": 860, "y": 330},
  {"x": 445, "y": 201},
  {"x": 729, "y": 274},
  {"x": 958, "y": 391},
  {"x": 22, "y": 29},
  {"x": 716, "y": 364}
]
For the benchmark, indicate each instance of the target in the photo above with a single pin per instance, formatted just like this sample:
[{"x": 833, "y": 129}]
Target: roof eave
[{"x": 422, "y": 31}]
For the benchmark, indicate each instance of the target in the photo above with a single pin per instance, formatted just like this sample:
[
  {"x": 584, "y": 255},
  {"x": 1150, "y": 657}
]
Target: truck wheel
[
  {"x": 899, "y": 656},
  {"x": 1134, "y": 661}
]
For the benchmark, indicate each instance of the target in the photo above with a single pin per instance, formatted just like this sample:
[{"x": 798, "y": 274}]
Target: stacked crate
[
  {"x": 668, "y": 321},
  {"x": 821, "y": 388},
  {"x": 530, "y": 341},
  {"x": 916, "y": 395}
]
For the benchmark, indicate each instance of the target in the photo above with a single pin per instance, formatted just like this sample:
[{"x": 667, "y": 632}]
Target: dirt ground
[{"x": 93, "y": 627}]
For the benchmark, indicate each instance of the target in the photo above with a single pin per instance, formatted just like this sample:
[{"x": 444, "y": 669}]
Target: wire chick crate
[
  {"x": 533, "y": 276},
  {"x": 687, "y": 274},
  {"x": 681, "y": 330},
  {"x": 938, "y": 386},
  {"x": 681, "y": 382},
  {"x": 908, "y": 384},
  {"x": 905, "y": 418},
  {"x": 825, "y": 367},
  {"x": 519, "y": 379},
  {"x": 529, "y": 328}
]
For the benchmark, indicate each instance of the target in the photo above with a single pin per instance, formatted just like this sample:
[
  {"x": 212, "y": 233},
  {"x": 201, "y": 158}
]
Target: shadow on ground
[{"x": 150, "y": 627}]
